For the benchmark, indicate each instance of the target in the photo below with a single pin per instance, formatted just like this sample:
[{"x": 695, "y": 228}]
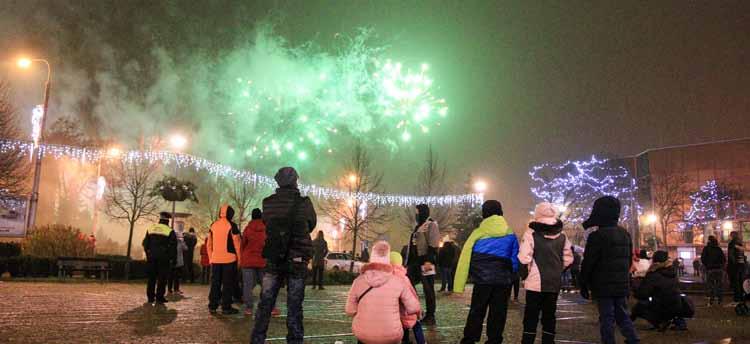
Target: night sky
[{"x": 526, "y": 83}]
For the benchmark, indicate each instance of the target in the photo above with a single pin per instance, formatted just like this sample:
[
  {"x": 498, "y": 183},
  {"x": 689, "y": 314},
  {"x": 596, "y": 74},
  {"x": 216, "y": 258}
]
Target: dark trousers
[
  {"x": 205, "y": 274},
  {"x": 736, "y": 277},
  {"x": 516, "y": 285},
  {"x": 317, "y": 277},
  {"x": 428, "y": 286},
  {"x": 539, "y": 302},
  {"x": 446, "y": 279},
  {"x": 496, "y": 299},
  {"x": 272, "y": 282},
  {"x": 174, "y": 279},
  {"x": 615, "y": 310},
  {"x": 190, "y": 268},
  {"x": 223, "y": 280},
  {"x": 714, "y": 278},
  {"x": 158, "y": 273},
  {"x": 574, "y": 277}
]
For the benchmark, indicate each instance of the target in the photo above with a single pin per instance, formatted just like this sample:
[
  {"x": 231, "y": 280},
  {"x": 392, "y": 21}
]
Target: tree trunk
[
  {"x": 354, "y": 248},
  {"x": 130, "y": 244}
]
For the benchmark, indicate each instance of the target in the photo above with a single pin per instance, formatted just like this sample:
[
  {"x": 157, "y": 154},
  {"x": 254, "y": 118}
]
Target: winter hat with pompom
[
  {"x": 545, "y": 213},
  {"x": 381, "y": 253}
]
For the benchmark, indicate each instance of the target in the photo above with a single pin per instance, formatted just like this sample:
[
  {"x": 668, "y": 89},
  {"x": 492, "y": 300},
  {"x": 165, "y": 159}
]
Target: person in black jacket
[
  {"x": 279, "y": 215},
  {"x": 191, "y": 241},
  {"x": 446, "y": 261},
  {"x": 160, "y": 245},
  {"x": 713, "y": 260},
  {"x": 421, "y": 259},
  {"x": 736, "y": 267},
  {"x": 659, "y": 294},
  {"x": 605, "y": 271}
]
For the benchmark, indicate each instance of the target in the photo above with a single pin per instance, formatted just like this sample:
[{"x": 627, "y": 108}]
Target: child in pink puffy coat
[
  {"x": 408, "y": 321},
  {"x": 376, "y": 297}
]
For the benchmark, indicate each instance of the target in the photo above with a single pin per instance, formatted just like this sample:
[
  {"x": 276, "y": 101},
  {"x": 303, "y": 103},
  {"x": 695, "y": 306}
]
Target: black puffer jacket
[
  {"x": 713, "y": 257},
  {"x": 278, "y": 205},
  {"x": 606, "y": 262}
]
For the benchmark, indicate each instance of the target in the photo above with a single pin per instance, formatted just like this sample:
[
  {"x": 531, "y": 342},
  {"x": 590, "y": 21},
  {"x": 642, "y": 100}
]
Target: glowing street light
[
  {"x": 651, "y": 219},
  {"x": 178, "y": 142},
  {"x": 25, "y": 63},
  {"x": 114, "y": 152},
  {"x": 728, "y": 225},
  {"x": 480, "y": 186},
  {"x": 352, "y": 178}
]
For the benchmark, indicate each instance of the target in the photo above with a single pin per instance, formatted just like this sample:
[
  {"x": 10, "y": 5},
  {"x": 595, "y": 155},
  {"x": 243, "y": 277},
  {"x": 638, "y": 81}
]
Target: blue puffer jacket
[{"x": 490, "y": 255}]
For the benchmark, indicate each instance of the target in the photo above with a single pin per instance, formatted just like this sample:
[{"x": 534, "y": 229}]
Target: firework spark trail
[{"x": 91, "y": 155}]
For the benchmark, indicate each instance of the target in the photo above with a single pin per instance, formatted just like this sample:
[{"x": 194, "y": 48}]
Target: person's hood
[
  {"x": 226, "y": 212},
  {"x": 423, "y": 213},
  {"x": 664, "y": 268},
  {"x": 495, "y": 226},
  {"x": 377, "y": 274},
  {"x": 605, "y": 213},
  {"x": 549, "y": 231}
]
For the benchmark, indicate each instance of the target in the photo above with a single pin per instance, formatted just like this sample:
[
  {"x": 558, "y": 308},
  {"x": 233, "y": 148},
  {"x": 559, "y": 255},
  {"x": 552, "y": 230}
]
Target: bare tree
[
  {"x": 12, "y": 162},
  {"x": 355, "y": 215},
  {"x": 431, "y": 181},
  {"x": 242, "y": 197},
  {"x": 670, "y": 195},
  {"x": 130, "y": 197}
]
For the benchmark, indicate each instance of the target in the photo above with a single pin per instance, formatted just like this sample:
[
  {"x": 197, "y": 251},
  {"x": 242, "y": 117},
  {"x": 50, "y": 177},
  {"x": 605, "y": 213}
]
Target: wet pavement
[{"x": 86, "y": 312}]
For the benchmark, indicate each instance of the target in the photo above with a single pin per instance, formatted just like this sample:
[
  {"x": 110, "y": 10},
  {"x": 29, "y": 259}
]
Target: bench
[{"x": 66, "y": 266}]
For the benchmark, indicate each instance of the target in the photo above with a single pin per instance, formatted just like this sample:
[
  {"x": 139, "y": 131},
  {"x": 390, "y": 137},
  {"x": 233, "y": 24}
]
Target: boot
[{"x": 528, "y": 338}]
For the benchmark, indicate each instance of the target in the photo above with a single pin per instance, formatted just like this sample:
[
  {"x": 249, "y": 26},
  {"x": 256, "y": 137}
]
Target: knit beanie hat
[
  {"x": 491, "y": 207},
  {"x": 396, "y": 258},
  {"x": 545, "y": 213},
  {"x": 286, "y": 177},
  {"x": 660, "y": 257},
  {"x": 381, "y": 253}
]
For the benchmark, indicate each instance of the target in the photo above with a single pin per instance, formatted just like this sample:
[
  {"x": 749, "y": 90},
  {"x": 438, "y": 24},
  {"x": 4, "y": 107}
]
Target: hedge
[{"x": 10, "y": 249}]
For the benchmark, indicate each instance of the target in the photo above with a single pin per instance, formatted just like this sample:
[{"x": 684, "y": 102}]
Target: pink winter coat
[
  {"x": 377, "y": 319},
  {"x": 407, "y": 320},
  {"x": 526, "y": 256}
]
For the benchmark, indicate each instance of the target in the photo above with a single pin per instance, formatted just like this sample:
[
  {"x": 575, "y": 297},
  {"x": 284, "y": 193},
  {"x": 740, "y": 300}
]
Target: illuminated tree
[{"x": 712, "y": 202}]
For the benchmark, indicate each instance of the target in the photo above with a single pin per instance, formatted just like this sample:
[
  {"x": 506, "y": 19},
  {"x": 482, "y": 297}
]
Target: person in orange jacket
[{"x": 224, "y": 254}]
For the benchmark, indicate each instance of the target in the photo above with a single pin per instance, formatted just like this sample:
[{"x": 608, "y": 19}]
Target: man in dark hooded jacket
[
  {"x": 605, "y": 271},
  {"x": 659, "y": 294},
  {"x": 422, "y": 257},
  {"x": 160, "y": 245},
  {"x": 713, "y": 260},
  {"x": 287, "y": 212}
]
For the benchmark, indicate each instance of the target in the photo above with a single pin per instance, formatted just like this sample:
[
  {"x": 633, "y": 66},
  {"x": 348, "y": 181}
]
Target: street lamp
[
  {"x": 728, "y": 225},
  {"x": 26, "y": 63},
  {"x": 178, "y": 142},
  {"x": 352, "y": 178},
  {"x": 480, "y": 186}
]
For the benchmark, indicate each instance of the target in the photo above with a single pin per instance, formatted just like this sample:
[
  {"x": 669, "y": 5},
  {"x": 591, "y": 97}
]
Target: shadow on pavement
[{"x": 147, "y": 319}]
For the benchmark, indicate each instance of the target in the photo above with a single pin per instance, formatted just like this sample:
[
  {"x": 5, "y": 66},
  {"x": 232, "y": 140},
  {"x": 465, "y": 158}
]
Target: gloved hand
[{"x": 585, "y": 293}]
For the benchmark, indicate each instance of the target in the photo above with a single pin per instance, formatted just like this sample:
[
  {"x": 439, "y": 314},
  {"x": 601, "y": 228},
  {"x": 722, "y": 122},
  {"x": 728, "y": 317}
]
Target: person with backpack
[
  {"x": 289, "y": 219},
  {"x": 713, "y": 260},
  {"x": 490, "y": 256},
  {"x": 605, "y": 270},
  {"x": 376, "y": 297},
  {"x": 421, "y": 258},
  {"x": 160, "y": 246},
  {"x": 660, "y": 299},
  {"x": 736, "y": 265},
  {"x": 320, "y": 252},
  {"x": 546, "y": 253},
  {"x": 224, "y": 253}
]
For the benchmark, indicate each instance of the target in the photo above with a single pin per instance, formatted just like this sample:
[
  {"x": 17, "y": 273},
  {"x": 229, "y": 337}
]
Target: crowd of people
[{"x": 276, "y": 248}]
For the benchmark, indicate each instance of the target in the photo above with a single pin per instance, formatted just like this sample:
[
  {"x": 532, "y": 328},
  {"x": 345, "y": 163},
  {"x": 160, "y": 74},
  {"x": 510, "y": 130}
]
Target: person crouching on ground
[
  {"x": 376, "y": 297},
  {"x": 659, "y": 296},
  {"x": 408, "y": 321},
  {"x": 490, "y": 255},
  {"x": 547, "y": 253},
  {"x": 606, "y": 270}
]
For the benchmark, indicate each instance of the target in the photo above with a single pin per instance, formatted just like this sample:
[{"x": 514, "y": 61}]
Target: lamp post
[
  {"x": 101, "y": 184},
  {"x": 178, "y": 142},
  {"x": 652, "y": 219},
  {"x": 26, "y": 63}
]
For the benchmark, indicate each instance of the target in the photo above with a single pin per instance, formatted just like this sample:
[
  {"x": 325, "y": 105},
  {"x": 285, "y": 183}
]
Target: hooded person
[
  {"x": 605, "y": 271},
  {"x": 289, "y": 219},
  {"x": 376, "y": 297},
  {"x": 490, "y": 256},
  {"x": 320, "y": 252},
  {"x": 421, "y": 258},
  {"x": 160, "y": 245},
  {"x": 224, "y": 253},
  {"x": 252, "y": 242},
  {"x": 659, "y": 296},
  {"x": 547, "y": 252},
  {"x": 713, "y": 260},
  {"x": 190, "y": 241}
]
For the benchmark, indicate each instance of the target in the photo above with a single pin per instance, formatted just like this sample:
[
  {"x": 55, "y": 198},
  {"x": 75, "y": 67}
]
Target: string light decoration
[
  {"x": 92, "y": 155},
  {"x": 573, "y": 186},
  {"x": 710, "y": 203}
]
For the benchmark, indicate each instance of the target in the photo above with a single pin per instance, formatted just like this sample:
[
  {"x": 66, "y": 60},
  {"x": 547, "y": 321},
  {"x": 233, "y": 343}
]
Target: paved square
[{"x": 85, "y": 312}]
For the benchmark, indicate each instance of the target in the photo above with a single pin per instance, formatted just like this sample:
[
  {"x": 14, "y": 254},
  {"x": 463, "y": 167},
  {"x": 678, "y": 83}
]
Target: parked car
[{"x": 341, "y": 261}]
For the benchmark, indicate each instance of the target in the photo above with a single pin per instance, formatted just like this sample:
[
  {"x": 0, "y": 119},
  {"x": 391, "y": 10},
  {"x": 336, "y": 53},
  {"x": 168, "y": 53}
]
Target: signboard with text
[{"x": 12, "y": 216}]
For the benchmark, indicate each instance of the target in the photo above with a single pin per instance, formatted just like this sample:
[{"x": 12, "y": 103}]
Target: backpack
[
  {"x": 523, "y": 269},
  {"x": 278, "y": 235}
]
